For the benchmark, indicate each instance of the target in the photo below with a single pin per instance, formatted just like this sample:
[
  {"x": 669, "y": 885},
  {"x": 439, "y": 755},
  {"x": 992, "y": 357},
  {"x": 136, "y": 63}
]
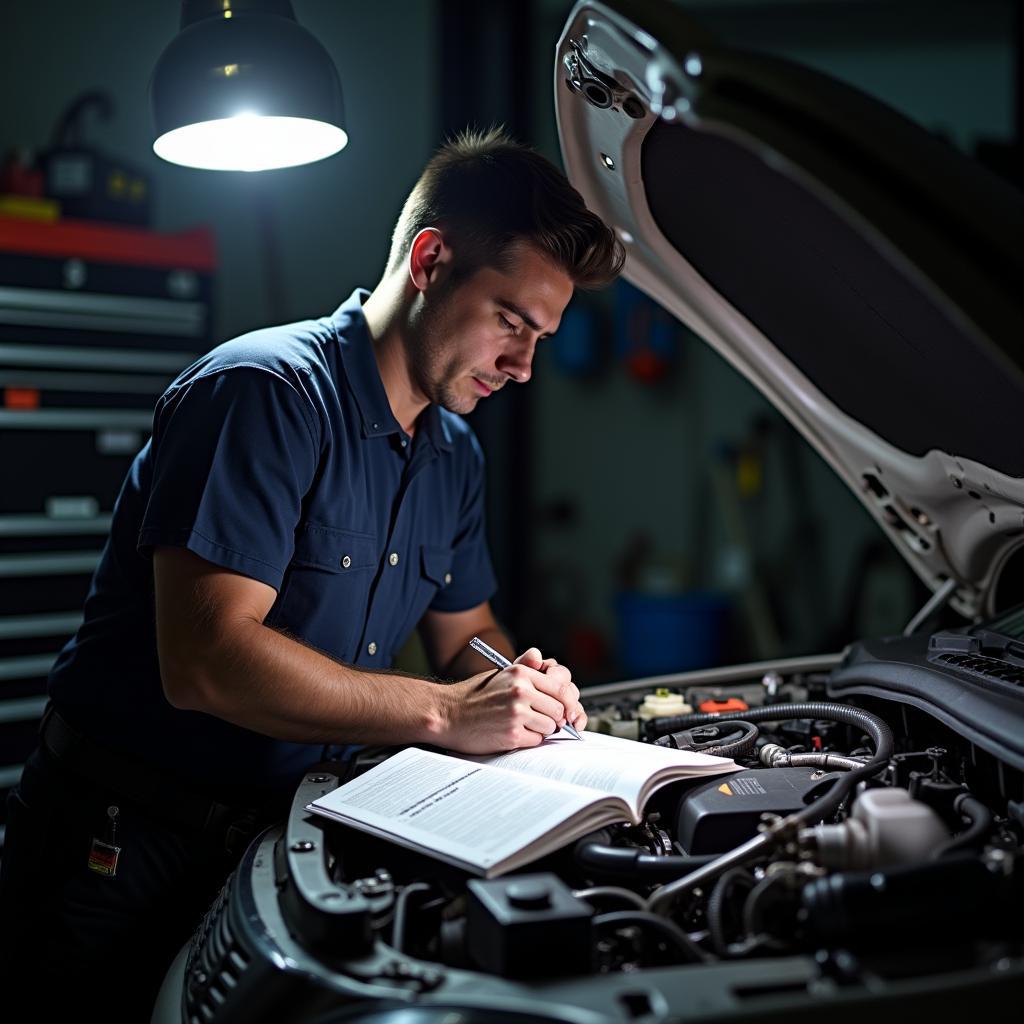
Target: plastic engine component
[
  {"x": 886, "y": 827},
  {"x": 528, "y": 926},
  {"x": 662, "y": 703},
  {"x": 720, "y": 814}
]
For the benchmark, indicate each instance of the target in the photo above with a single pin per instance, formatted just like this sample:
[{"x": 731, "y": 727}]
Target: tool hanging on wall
[
  {"x": 647, "y": 338},
  {"x": 738, "y": 554},
  {"x": 88, "y": 183}
]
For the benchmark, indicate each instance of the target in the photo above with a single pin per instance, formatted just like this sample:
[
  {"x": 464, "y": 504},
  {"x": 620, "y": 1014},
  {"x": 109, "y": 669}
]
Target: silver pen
[{"x": 502, "y": 662}]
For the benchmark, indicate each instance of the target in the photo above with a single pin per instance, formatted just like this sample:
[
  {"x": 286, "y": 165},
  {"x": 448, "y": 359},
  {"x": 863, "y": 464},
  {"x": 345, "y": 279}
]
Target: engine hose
[
  {"x": 871, "y": 724},
  {"x": 662, "y": 899},
  {"x": 401, "y": 905},
  {"x": 880, "y": 733},
  {"x": 979, "y": 819},
  {"x": 898, "y": 904},
  {"x": 774, "y": 756},
  {"x": 715, "y": 910},
  {"x": 663, "y": 929},
  {"x": 628, "y": 862},
  {"x": 742, "y": 744},
  {"x": 596, "y": 893}
]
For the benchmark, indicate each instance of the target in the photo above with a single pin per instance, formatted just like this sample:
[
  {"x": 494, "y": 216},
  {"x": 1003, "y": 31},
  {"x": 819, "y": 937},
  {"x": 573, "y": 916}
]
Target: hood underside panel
[{"x": 859, "y": 329}]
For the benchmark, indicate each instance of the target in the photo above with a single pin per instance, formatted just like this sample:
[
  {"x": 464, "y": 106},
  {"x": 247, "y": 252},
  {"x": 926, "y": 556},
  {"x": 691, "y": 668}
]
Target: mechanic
[{"x": 308, "y": 496}]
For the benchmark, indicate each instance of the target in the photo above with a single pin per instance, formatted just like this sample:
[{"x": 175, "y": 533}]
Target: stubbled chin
[{"x": 460, "y": 404}]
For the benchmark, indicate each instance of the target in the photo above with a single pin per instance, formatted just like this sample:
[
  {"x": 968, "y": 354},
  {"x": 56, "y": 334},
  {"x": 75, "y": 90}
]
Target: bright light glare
[{"x": 249, "y": 142}]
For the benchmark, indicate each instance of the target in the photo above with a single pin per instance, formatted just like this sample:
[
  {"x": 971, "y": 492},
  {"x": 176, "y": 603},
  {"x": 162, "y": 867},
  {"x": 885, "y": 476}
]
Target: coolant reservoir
[{"x": 662, "y": 703}]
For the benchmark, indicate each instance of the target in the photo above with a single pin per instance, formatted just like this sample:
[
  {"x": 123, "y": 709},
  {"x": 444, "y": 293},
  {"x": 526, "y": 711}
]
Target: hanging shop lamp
[{"x": 244, "y": 87}]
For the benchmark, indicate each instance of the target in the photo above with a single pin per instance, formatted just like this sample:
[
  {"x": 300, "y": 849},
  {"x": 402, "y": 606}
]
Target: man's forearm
[
  {"x": 263, "y": 680},
  {"x": 468, "y": 663}
]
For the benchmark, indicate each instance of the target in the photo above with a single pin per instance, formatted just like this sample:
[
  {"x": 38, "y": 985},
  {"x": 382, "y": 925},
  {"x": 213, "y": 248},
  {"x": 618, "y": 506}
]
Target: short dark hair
[{"x": 487, "y": 192}]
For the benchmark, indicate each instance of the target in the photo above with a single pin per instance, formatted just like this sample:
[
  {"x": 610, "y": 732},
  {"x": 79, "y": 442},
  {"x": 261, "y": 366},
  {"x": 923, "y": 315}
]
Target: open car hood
[{"x": 861, "y": 273}]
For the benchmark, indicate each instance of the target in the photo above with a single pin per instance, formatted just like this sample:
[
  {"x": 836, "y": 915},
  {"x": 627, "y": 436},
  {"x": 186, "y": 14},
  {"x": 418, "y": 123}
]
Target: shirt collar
[
  {"x": 435, "y": 428},
  {"x": 364, "y": 377}
]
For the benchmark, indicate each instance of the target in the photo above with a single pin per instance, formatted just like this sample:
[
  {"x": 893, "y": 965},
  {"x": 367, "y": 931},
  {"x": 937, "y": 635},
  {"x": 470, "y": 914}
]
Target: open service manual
[{"x": 489, "y": 815}]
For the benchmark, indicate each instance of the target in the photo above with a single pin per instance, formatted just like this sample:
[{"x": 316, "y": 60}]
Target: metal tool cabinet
[{"x": 95, "y": 321}]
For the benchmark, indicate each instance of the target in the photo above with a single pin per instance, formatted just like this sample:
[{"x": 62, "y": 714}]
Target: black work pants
[{"x": 76, "y": 943}]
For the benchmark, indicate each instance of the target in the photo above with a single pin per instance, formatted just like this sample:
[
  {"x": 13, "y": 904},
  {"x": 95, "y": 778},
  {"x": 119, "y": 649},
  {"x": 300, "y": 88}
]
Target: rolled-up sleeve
[{"x": 234, "y": 452}]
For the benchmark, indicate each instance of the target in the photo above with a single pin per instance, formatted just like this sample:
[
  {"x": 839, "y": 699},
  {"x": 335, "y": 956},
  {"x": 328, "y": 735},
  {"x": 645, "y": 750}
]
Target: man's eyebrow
[{"x": 519, "y": 312}]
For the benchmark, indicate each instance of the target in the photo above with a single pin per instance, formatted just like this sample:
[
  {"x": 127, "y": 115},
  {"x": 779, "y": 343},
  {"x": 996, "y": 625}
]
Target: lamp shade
[{"x": 244, "y": 87}]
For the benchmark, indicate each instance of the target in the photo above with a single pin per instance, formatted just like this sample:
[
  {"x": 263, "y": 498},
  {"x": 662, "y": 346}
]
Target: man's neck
[{"x": 385, "y": 319}]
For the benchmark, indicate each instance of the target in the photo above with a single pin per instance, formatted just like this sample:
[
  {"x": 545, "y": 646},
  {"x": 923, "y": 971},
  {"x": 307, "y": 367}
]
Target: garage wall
[{"x": 332, "y": 220}]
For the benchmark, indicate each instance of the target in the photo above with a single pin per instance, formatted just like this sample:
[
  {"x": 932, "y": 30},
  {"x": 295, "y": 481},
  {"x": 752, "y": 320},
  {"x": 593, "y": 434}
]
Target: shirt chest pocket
[
  {"x": 326, "y": 592},
  {"x": 430, "y": 572},
  {"x": 436, "y": 565},
  {"x": 334, "y": 550}
]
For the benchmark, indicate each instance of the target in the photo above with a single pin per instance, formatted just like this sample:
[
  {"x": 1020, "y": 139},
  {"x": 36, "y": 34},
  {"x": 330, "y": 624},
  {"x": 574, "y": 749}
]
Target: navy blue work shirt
[{"x": 277, "y": 456}]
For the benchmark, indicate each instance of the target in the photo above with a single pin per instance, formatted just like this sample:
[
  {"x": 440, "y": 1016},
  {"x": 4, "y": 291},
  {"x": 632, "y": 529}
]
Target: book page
[
  {"x": 608, "y": 764},
  {"x": 450, "y": 807}
]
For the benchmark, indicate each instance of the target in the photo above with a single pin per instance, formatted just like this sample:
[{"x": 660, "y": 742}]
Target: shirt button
[
  {"x": 393, "y": 558},
  {"x": 346, "y": 561},
  {"x": 447, "y": 577},
  {"x": 371, "y": 648},
  {"x": 404, "y": 442}
]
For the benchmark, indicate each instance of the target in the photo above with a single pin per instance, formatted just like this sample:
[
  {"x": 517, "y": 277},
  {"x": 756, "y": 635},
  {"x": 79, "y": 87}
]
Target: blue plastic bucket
[{"x": 662, "y": 633}]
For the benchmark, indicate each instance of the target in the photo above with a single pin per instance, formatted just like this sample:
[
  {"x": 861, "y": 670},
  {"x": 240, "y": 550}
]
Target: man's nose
[{"x": 517, "y": 360}]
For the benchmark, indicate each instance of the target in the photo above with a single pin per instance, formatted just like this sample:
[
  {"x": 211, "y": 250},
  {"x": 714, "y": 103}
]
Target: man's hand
[
  {"x": 561, "y": 678},
  {"x": 513, "y": 707}
]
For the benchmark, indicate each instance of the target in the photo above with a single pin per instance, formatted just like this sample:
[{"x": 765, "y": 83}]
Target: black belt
[{"x": 135, "y": 781}]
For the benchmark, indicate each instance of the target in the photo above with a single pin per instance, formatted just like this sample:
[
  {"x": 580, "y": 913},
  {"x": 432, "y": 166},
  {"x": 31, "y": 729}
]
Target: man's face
[{"x": 478, "y": 335}]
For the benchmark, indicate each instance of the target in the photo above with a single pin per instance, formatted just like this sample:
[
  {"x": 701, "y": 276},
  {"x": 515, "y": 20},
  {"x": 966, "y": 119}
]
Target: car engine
[{"x": 868, "y": 852}]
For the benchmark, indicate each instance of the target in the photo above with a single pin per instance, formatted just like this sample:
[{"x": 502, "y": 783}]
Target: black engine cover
[{"x": 722, "y": 813}]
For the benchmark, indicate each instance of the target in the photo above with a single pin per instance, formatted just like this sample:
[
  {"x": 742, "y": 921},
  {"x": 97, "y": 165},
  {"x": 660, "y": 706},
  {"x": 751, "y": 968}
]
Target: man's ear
[{"x": 429, "y": 259}]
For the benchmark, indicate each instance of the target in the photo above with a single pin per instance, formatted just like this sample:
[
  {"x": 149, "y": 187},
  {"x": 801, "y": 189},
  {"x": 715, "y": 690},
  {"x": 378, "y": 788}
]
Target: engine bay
[{"x": 868, "y": 851}]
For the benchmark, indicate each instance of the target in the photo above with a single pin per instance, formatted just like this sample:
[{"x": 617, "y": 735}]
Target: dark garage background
[{"x": 602, "y": 485}]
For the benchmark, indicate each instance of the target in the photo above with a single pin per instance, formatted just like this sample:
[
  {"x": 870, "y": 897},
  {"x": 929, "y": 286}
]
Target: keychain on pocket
[{"x": 103, "y": 856}]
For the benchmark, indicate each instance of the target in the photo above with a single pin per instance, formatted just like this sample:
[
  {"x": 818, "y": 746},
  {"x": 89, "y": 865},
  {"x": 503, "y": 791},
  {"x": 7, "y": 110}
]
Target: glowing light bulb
[{"x": 250, "y": 142}]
